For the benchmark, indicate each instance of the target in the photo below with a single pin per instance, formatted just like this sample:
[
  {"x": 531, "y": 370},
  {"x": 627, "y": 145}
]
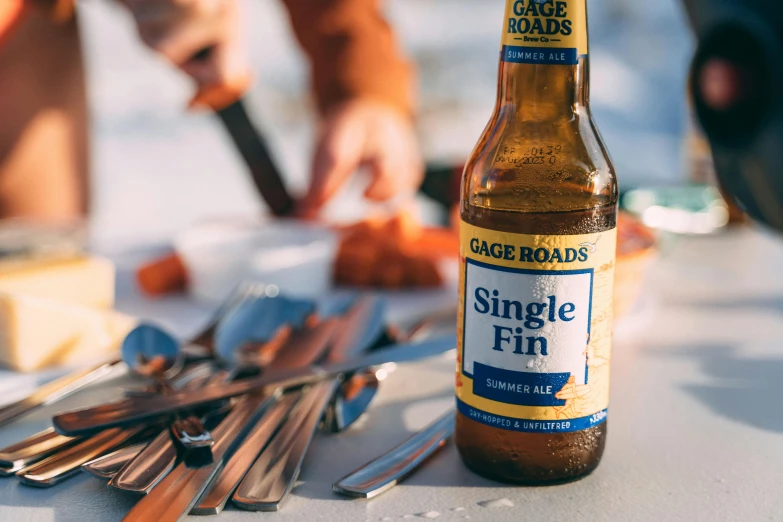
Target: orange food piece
[
  {"x": 404, "y": 228},
  {"x": 396, "y": 253},
  {"x": 426, "y": 273},
  {"x": 401, "y": 253},
  {"x": 438, "y": 242},
  {"x": 162, "y": 276}
]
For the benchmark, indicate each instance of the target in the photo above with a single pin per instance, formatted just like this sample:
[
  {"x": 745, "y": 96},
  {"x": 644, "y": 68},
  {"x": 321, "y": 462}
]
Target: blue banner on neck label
[{"x": 539, "y": 55}]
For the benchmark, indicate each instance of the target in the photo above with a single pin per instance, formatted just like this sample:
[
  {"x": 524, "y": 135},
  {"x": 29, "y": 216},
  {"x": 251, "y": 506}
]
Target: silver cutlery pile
[{"x": 231, "y": 414}]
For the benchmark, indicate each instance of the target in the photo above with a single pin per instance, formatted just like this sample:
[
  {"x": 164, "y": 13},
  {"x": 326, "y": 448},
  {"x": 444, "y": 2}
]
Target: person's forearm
[
  {"x": 43, "y": 137},
  {"x": 353, "y": 52}
]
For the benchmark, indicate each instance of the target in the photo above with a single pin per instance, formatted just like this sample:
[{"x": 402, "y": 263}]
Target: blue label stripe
[
  {"x": 522, "y": 388},
  {"x": 539, "y": 55},
  {"x": 531, "y": 426}
]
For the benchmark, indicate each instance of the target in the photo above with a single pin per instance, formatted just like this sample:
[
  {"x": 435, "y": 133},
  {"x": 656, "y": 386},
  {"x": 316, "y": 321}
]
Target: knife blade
[
  {"x": 383, "y": 473},
  {"x": 134, "y": 410},
  {"x": 55, "y": 390},
  {"x": 214, "y": 498},
  {"x": 272, "y": 476},
  {"x": 65, "y": 464},
  {"x": 32, "y": 449},
  {"x": 107, "y": 466}
]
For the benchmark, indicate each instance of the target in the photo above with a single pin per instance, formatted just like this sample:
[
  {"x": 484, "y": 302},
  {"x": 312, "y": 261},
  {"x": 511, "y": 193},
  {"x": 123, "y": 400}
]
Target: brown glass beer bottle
[{"x": 538, "y": 239}]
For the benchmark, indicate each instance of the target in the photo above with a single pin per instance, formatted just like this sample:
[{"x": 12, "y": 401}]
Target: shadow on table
[
  {"x": 742, "y": 388},
  {"x": 78, "y": 499}
]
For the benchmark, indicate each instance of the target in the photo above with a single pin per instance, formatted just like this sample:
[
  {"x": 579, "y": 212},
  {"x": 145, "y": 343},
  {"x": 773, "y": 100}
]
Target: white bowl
[{"x": 296, "y": 257}]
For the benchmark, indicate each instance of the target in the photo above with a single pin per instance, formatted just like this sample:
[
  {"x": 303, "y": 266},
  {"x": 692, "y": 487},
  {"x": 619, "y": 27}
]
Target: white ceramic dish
[{"x": 296, "y": 257}]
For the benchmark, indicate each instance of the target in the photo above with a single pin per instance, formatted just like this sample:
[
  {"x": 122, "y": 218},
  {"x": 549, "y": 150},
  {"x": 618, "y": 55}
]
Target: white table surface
[{"x": 696, "y": 415}]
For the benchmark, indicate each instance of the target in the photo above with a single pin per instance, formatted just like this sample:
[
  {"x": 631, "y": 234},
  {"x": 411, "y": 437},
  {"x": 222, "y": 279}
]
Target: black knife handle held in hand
[{"x": 253, "y": 148}]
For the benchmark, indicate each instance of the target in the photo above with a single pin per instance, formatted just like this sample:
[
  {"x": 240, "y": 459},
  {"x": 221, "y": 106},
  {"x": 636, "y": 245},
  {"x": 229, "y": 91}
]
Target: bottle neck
[{"x": 544, "y": 69}]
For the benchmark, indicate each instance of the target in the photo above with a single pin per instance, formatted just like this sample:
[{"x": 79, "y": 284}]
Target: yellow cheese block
[
  {"x": 36, "y": 332},
  {"x": 86, "y": 281}
]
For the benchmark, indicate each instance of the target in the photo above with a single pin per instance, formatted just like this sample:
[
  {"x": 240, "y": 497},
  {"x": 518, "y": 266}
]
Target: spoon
[
  {"x": 149, "y": 467},
  {"x": 271, "y": 478},
  {"x": 358, "y": 391},
  {"x": 257, "y": 322},
  {"x": 151, "y": 352}
]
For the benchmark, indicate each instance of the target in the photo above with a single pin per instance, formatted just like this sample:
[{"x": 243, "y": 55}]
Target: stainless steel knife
[
  {"x": 386, "y": 471},
  {"x": 55, "y": 390},
  {"x": 178, "y": 492},
  {"x": 134, "y": 410}
]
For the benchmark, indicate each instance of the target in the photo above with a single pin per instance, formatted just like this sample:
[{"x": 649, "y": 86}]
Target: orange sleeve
[
  {"x": 13, "y": 11},
  {"x": 353, "y": 52},
  {"x": 10, "y": 14}
]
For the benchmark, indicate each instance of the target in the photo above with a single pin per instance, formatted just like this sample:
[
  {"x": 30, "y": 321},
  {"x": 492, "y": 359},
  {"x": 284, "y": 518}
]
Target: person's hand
[
  {"x": 364, "y": 133},
  {"x": 201, "y": 37}
]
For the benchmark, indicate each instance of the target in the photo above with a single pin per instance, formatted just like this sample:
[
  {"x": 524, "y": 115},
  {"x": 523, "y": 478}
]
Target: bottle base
[
  {"x": 493, "y": 473},
  {"x": 529, "y": 459}
]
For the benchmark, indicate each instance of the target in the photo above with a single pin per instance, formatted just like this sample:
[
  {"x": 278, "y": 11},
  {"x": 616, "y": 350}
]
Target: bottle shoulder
[{"x": 531, "y": 164}]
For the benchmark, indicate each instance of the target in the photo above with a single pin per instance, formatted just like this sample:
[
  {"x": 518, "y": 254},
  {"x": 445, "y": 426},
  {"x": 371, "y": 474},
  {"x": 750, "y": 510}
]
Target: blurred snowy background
[{"x": 157, "y": 168}]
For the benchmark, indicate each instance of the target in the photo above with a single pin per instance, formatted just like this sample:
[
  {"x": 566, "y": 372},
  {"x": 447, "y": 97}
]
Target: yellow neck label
[
  {"x": 548, "y": 32},
  {"x": 534, "y": 329}
]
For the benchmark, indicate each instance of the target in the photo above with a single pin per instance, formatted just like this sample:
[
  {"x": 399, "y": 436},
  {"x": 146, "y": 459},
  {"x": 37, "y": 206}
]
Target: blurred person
[{"x": 362, "y": 84}]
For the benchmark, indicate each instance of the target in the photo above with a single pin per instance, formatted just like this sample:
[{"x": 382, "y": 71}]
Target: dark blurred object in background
[{"x": 735, "y": 77}]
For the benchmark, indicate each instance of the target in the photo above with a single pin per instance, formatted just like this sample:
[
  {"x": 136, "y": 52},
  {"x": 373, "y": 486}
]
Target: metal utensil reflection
[
  {"x": 302, "y": 349},
  {"x": 178, "y": 492},
  {"x": 386, "y": 471},
  {"x": 132, "y": 411},
  {"x": 151, "y": 352},
  {"x": 268, "y": 482},
  {"x": 358, "y": 390},
  {"x": 291, "y": 351},
  {"x": 220, "y": 490},
  {"x": 272, "y": 477},
  {"x": 56, "y": 390},
  {"x": 156, "y": 459},
  {"x": 107, "y": 466},
  {"x": 32, "y": 449},
  {"x": 64, "y": 464}
]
